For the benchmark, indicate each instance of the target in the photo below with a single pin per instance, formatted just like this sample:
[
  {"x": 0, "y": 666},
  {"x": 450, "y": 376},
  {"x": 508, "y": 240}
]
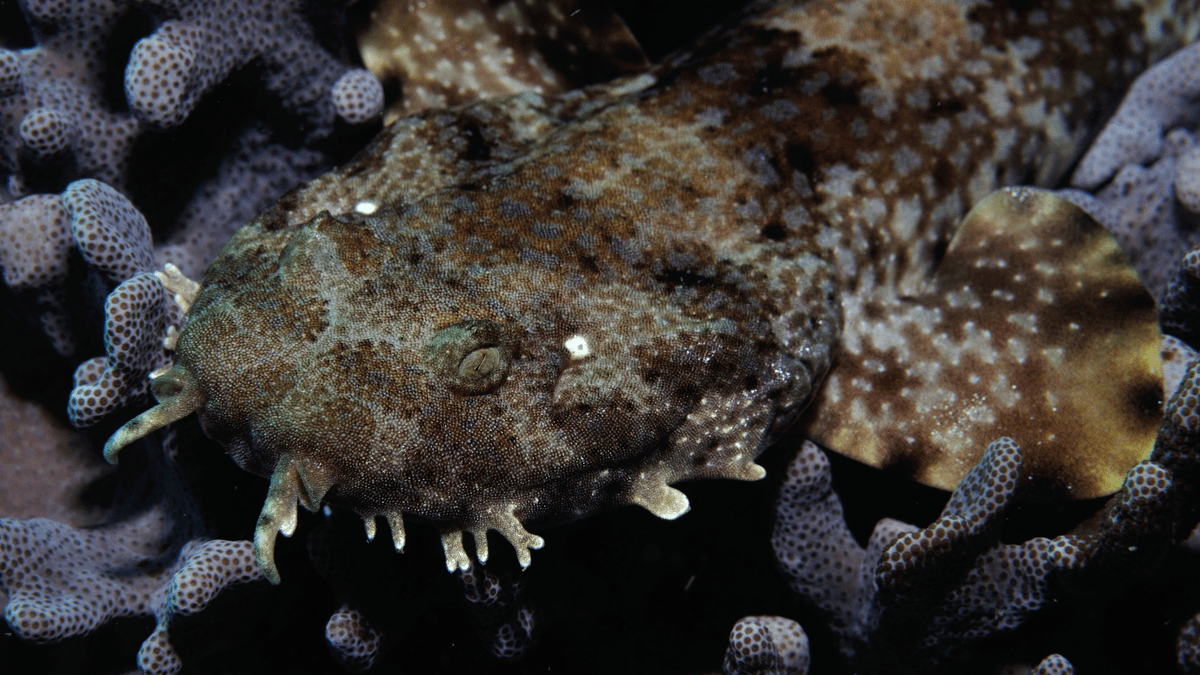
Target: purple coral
[
  {"x": 111, "y": 233},
  {"x": 35, "y": 249},
  {"x": 918, "y": 596},
  {"x": 766, "y": 645},
  {"x": 202, "y": 43},
  {"x": 504, "y": 620},
  {"x": 1144, "y": 169},
  {"x": 206, "y": 571},
  {"x": 115, "y": 241},
  {"x": 1163, "y": 97},
  {"x": 53, "y": 93},
  {"x": 62, "y": 581},
  {"x": 1055, "y": 664},
  {"x": 1180, "y": 313}
]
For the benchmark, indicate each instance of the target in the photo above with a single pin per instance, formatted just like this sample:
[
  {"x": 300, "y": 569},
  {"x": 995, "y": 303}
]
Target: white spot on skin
[
  {"x": 577, "y": 346},
  {"x": 997, "y": 99},
  {"x": 1016, "y": 350},
  {"x": 1078, "y": 39},
  {"x": 1026, "y": 47},
  {"x": 840, "y": 180},
  {"x": 905, "y": 159},
  {"x": 933, "y": 68},
  {"x": 935, "y": 134},
  {"x": 1052, "y": 78},
  {"x": 711, "y": 117},
  {"x": 1033, "y": 114},
  {"x": 366, "y": 208},
  {"x": 1054, "y": 355},
  {"x": 905, "y": 217},
  {"x": 1006, "y": 394},
  {"x": 1025, "y": 320}
]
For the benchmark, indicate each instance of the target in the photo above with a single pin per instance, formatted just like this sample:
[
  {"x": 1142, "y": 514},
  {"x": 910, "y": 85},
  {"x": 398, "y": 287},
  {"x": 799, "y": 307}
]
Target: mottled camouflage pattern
[{"x": 534, "y": 308}]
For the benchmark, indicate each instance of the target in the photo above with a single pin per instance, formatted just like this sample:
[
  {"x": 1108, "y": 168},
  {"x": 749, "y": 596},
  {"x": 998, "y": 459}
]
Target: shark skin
[{"x": 527, "y": 309}]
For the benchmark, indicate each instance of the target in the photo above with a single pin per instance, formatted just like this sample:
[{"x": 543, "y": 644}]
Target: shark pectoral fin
[{"x": 1033, "y": 326}]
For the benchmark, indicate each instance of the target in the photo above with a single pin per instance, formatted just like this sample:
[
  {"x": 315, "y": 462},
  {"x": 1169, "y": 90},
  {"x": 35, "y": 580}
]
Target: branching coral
[
  {"x": 68, "y": 121},
  {"x": 62, "y": 581},
  {"x": 504, "y": 620},
  {"x": 1144, "y": 169},
  {"x": 918, "y": 596},
  {"x": 1161, "y": 99},
  {"x": 209, "y": 573},
  {"x": 766, "y": 645},
  {"x": 198, "y": 45}
]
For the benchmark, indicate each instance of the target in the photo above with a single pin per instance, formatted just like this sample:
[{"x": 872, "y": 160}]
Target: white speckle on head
[
  {"x": 718, "y": 73},
  {"x": 1045, "y": 296},
  {"x": 814, "y": 84},
  {"x": 781, "y": 110},
  {"x": 879, "y": 100},
  {"x": 366, "y": 208},
  {"x": 796, "y": 58},
  {"x": 917, "y": 98},
  {"x": 1083, "y": 83},
  {"x": 577, "y": 346},
  {"x": 964, "y": 297},
  {"x": 996, "y": 96},
  {"x": 977, "y": 67},
  {"x": 1052, "y": 400}
]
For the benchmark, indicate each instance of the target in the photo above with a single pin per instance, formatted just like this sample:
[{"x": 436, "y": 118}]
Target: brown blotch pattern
[{"x": 677, "y": 255}]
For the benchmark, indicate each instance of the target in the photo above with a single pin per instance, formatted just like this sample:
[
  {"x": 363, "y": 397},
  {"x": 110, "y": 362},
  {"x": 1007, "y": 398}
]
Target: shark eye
[
  {"x": 472, "y": 357},
  {"x": 479, "y": 364}
]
